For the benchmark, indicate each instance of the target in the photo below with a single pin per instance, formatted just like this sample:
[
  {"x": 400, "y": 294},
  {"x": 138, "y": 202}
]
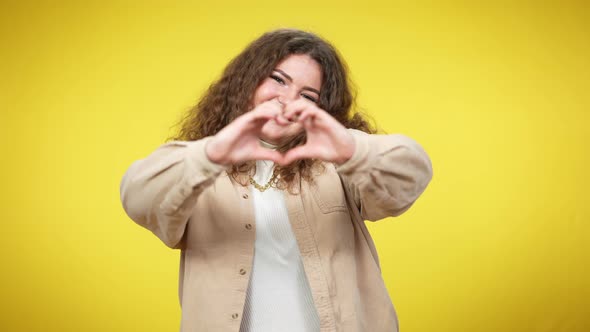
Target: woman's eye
[
  {"x": 278, "y": 79},
  {"x": 309, "y": 97}
]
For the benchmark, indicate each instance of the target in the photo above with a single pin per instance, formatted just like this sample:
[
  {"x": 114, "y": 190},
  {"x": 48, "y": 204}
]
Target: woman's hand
[
  {"x": 239, "y": 141},
  {"x": 327, "y": 139}
]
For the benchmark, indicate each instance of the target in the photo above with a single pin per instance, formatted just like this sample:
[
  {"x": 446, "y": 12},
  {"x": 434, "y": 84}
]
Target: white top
[{"x": 278, "y": 296}]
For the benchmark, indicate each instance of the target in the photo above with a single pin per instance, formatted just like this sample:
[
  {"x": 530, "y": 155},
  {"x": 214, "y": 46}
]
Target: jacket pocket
[{"x": 328, "y": 193}]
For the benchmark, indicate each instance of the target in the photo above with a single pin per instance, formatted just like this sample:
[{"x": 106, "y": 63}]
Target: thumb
[
  {"x": 267, "y": 154},
  {"x": 299, "y": 152}
]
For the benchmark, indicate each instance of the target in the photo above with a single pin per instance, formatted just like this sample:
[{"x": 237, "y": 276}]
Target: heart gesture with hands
[
  {"x": 327, "y": 139},
  {"x": 239, "y": 141}
]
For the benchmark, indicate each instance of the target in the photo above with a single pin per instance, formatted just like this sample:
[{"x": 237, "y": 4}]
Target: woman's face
[{"x": 297, "y": 76}]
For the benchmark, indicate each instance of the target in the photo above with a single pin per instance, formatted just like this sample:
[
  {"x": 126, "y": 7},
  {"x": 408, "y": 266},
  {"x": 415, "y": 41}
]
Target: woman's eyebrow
[
  {"x": 291, "y": 80},
  {"x": 284, "y": 74}
]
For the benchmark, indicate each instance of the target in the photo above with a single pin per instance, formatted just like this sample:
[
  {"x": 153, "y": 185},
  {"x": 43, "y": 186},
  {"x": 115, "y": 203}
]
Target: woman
[{"x": 265, "y": 191}]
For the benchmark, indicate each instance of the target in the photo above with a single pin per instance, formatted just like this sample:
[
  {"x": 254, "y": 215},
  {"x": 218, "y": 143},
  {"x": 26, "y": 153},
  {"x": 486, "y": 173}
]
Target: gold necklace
[{"x": 272, "y": 181}]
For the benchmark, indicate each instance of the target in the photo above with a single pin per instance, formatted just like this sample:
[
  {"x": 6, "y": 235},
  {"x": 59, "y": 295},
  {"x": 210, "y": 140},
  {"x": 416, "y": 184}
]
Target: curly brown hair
[{"x": 231, "y": 96}]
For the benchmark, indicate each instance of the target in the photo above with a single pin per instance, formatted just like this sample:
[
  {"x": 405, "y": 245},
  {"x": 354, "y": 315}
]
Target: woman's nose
[{"x": 287, "y": 96}]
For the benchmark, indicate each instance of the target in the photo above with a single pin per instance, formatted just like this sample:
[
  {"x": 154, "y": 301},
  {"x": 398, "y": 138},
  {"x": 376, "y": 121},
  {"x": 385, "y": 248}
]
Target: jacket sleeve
[
  {"x": 386, "y": 174},
  {"x": 160, "y": 191}
]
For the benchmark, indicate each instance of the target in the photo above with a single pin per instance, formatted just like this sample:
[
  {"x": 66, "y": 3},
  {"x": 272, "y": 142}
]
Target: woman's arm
[
  {"x": 160, "y": 191},
  {"x": 386, "y": 174}
]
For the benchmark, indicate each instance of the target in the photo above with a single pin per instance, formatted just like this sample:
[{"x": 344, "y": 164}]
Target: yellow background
[{"x": 498, "y": 94}]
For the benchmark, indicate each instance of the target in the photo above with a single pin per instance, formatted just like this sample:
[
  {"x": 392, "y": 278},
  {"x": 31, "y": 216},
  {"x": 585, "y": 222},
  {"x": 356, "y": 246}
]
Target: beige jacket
[{"x": 192, "y": 204}]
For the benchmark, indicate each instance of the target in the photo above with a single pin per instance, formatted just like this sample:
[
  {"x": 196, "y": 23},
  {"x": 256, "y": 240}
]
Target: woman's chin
[
  {"x": 276, "y": 134},
  {"x": 274, "y": 139}
]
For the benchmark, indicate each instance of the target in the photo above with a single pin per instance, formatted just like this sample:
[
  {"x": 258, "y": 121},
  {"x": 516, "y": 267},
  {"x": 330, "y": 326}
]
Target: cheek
[{"x": 264, "y": 92}]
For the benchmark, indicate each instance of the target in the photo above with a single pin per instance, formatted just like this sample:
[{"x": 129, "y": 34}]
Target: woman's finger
[
  {"x": 296, "y": 107},
  {"x": 282, "y": 120},
  {"x": 297, "y": 153},
  {"x": 265, "y": 111},
  {"x": 293, "y": 113},
  {"x": 306, "y": 118},
  {"x": 267, "y": 154}
]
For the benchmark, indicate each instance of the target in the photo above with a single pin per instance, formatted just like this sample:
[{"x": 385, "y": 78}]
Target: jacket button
[
  {"x": 245, "y": 196},
  {"x": 234, "y": 316},
  {"x": 242, "y": 271},
  {"x": 248, "y": 226}
]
